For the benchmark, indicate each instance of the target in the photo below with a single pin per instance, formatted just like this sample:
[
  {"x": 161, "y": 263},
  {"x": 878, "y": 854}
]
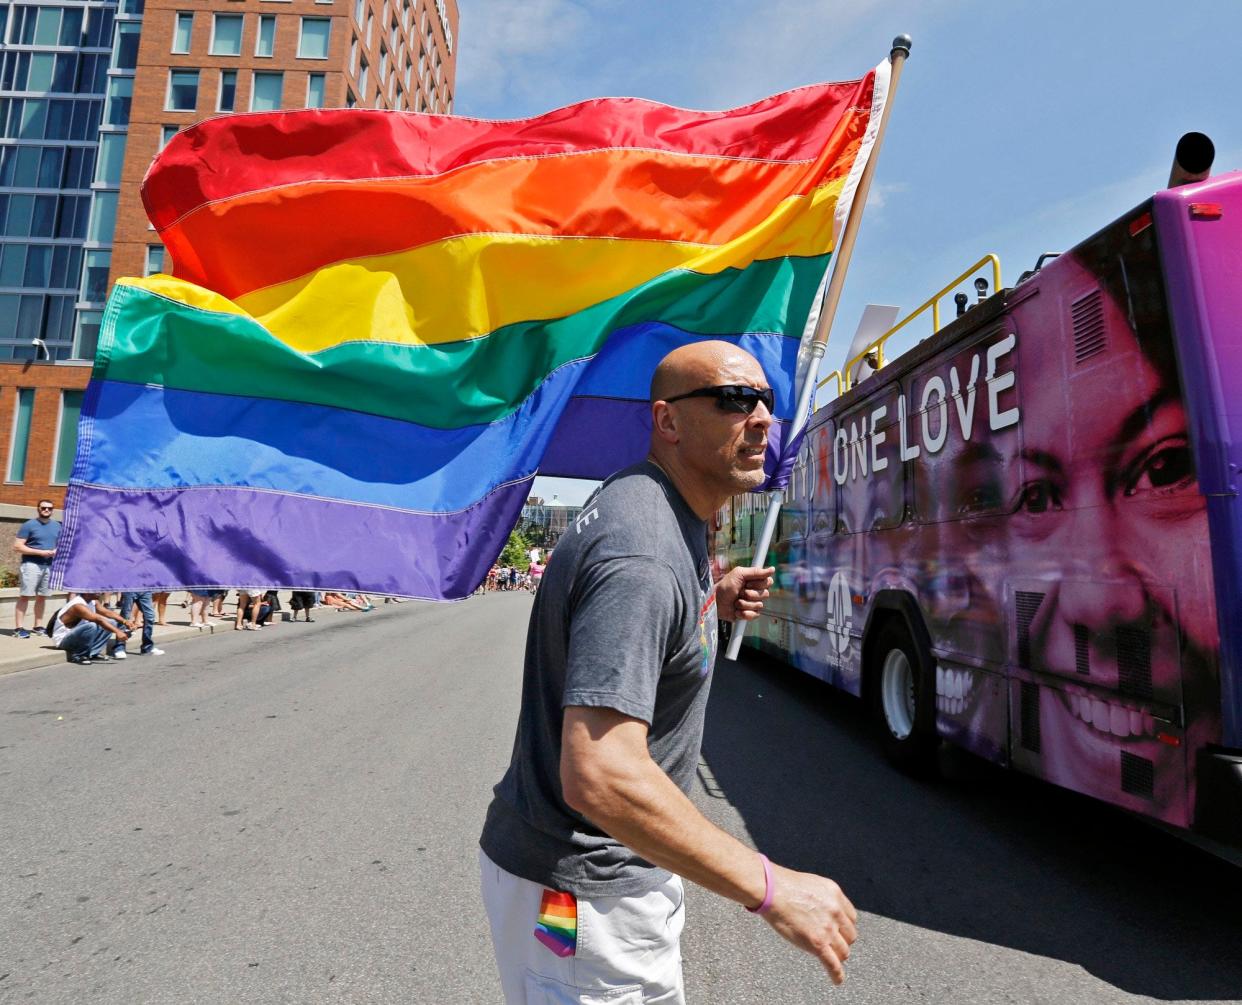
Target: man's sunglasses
[
  {"x": 45, "y": 509},
  {"x": 733, "y": 397}
]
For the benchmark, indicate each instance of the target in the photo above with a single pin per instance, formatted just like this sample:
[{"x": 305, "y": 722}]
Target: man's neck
[{"x": 702, "y": 502}]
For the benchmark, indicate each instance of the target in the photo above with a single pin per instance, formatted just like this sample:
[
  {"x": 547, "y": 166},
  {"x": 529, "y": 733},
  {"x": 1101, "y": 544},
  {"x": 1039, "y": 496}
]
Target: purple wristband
[{"x": 769, "y": 887}]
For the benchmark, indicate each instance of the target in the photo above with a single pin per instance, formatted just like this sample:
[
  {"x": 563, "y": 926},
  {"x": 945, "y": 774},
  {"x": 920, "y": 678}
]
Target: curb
[{"x": 46, "y": 655}]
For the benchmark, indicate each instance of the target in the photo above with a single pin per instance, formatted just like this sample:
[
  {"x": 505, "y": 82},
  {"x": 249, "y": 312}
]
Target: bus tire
[{"x": 903, "y": 692}]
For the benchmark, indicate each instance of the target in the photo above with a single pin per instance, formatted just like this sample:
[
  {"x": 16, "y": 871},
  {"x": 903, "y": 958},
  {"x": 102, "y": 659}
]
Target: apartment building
[
  {"x": 210, "y": 57},
  {"x": 89, "y": 93}
]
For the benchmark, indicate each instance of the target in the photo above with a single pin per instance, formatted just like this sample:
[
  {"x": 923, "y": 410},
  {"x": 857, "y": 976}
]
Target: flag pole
[{"x": 832, "y": 297}]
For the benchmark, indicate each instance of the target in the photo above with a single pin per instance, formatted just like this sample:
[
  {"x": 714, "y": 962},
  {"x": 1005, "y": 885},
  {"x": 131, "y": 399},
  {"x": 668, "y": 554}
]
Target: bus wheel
[{"x": 903, "y": 689}]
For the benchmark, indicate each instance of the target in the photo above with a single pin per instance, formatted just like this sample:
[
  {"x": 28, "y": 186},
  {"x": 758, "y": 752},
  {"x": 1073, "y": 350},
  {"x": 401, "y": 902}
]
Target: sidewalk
[{"x": 36, "y": 651}]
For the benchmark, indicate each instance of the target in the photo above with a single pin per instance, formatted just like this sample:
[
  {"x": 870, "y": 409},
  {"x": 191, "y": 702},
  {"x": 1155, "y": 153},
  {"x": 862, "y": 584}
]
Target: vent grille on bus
[
  {"x": 1026, "y": 606},
  {"x": 1138, "y": 775},
  {"x": 1028, "y": 714},
  {"x": 1082, "y": 649},
  {"x": 1087, "y": 317},
  {"x": 1134, "y": 662}
]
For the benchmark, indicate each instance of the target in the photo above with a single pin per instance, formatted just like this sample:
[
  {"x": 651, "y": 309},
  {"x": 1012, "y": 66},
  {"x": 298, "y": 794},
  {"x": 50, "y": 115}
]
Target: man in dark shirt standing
[
  {"x": 36, "y": 543},
  {"x": 591, "y": 828}
]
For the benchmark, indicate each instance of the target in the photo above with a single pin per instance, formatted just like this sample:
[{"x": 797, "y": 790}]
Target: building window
[
  {"x": 383, "y": 73},
  {"x": 103, "y": 218},
  {"x": 182, "y": 91},
  {"x": 182, "y": 31},
  {"x": 394, "y": 37},
  {"x": 265, "y": 42},
  {"x": 226, "y": 34},
  {"x": 313, "y": 43},
  {"x": 20, "y": 442},
  {"x": 87, "y": 337},
  {"x": 362, "y": 79},
  {"x": 353, "y": 56},
  {"x": 370, "y": 28},
  {"x": 166, "y": 134},
  {"x": 359, "y": 7},
  {"x": 314, "y": 90},
  {"x": 12, "y": 264},
  {"x": 66, "y": 436},
  {"x": 95, "y": 276},
  {"x": 155, "y": 259},
  {"x": 127, "y": 33},
  {"x": 120, "y": 96},
  {"x": 265, "y": 97},
  {"x": 111, "y": 157},
  {"x": 226, "y": 94}
]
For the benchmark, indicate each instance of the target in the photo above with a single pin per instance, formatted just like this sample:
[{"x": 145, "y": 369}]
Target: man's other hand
[
  {"x": 815, "y": 915},
  {"x": 741, "y": 592}
]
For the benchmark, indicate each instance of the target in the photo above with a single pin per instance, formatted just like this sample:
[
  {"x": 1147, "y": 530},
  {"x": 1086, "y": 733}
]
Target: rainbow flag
[
  {"x": 381, "y": 326},
  {"x": 557, "y": 925}
]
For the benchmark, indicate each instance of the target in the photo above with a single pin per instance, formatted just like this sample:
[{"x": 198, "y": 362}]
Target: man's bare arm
[
  {"x": 22, "y": 548},
  {"x": 79, "y": 613},
  {"x": 608, "y": 776},
  {"x": 105, "y": 613}
]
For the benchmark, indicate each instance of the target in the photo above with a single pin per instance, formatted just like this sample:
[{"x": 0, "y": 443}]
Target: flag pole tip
[{"x": 902, "y": 44}]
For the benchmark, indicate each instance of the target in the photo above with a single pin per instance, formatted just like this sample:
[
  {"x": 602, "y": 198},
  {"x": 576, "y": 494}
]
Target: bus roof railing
[{"x": 875, "y": 349}]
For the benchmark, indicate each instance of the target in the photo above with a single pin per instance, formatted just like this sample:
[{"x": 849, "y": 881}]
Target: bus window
[
  {"x": 962, "y": 467},
  {"x": 866, "y": 466},
  {"x": 823, "y": 489}
]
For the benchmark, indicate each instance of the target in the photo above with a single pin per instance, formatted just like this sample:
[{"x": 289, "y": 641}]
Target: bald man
[{"x": 591, "y": 828}]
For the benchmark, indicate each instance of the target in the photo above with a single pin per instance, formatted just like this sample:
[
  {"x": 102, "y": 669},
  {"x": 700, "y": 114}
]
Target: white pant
[{"x": 628, "y": 949}]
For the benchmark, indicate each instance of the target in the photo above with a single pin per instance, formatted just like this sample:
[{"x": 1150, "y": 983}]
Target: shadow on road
[{"x": 988, "y": 855}]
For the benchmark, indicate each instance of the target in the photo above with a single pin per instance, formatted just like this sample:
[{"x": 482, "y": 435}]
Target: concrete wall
[{"x": 48, "y": 381}]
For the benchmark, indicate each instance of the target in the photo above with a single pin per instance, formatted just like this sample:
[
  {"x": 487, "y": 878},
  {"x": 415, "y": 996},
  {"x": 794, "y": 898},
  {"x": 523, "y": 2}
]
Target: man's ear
[{"x": 664, "y": 423}]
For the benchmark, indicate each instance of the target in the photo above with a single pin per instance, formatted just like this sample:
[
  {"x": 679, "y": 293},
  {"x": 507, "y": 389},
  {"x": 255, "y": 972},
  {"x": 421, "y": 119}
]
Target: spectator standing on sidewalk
[
  {"x": 146, "y": 605},
  {"x": 36, "y": 543},
  {"x": 83, "y": 627},
  {"x": 304, "y": 601}
]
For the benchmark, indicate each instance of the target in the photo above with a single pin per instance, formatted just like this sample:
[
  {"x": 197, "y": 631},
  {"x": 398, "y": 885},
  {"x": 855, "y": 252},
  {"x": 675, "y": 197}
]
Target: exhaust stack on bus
[{"x": 1192, "y": 160}]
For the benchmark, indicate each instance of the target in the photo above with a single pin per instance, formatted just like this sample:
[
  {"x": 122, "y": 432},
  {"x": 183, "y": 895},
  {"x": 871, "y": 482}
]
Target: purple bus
[{"x": 1024, "y": 535}]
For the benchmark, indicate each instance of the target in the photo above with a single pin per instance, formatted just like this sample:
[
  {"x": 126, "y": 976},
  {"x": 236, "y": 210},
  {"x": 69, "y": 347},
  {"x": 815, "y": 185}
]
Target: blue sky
[{"x": 1019, "y": 127}]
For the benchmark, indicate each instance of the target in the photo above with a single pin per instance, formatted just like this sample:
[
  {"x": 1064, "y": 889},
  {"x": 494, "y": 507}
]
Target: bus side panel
[
  {"x": 962, "y": 440},
  {"x": 806, "y": 627},
  {"x": 1202, "y": 259},
  {"x": 1109, "y": 595}
]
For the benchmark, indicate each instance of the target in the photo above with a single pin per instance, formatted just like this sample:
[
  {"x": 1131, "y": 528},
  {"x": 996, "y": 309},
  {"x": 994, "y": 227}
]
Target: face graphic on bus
[
  {"x": 962, "y": 493},
  {"x": 1109, "y": 524}
]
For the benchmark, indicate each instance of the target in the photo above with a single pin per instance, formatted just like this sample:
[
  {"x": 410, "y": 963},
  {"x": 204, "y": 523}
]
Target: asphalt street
[{"x": 292, "y": 817}]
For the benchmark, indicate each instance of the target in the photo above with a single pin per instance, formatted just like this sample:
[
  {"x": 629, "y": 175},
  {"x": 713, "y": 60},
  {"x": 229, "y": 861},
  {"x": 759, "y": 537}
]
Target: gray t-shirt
[{"x": 625, "y": 618}]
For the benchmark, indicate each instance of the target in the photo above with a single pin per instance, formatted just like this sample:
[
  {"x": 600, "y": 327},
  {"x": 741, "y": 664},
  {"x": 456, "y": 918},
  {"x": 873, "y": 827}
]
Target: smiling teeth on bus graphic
[
  {"x": 953, "y": 689},
  {"x": 1109, "y": 719}
]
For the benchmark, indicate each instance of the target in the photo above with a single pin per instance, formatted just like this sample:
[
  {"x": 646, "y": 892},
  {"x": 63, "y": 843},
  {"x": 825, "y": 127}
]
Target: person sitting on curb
[
  {"x": 341, "y": 602},
  {"x": 248, "y": 603},
  {"x": 83, "y": 627}
]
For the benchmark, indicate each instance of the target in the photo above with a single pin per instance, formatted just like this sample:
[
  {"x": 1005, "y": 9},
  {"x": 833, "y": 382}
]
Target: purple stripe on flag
[
  {"x": 598, "y": 436},
  {"x": 152, "y": 539}
]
